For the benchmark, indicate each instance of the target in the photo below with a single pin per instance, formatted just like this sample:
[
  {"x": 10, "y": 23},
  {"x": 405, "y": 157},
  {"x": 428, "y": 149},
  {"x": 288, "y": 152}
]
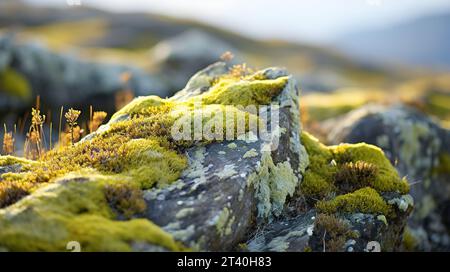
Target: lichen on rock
[
  {"x": 418, "y": 147},
  {"x": 273, "y": 184},
  {"x": 136, "y": 150},
  {"x": 135, "y": 184},
  {"x": 74, "y": 209}
]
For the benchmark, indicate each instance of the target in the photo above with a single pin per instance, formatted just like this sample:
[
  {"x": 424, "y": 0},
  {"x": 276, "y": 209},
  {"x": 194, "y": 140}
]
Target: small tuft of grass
[{"x": 355, "y": 175}]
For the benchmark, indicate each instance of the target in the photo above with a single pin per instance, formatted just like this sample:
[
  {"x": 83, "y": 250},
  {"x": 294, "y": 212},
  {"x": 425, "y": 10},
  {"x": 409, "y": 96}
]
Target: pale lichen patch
[
  {"x": 224, "y": 222},
  {"x": 273, "y": 184},
  {"x": 184, "y": 212},
  {"x": 250, "y": 154},
  {"x": 228, "y": 171},
  {"x": 232, "y": 146}
]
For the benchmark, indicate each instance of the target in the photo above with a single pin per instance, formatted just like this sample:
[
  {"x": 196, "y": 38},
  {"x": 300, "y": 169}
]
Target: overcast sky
[{"x": 315, "y": 21}]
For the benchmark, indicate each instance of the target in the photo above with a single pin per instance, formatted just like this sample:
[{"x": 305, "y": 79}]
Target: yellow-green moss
[
  {"x": 74, "y": 211},
  {"x": 387, "y": 179},
  {"x": 11, "y": 160},
  {"x": 136, "y": 150},
  {"x": 14, "y": 84},
  {"x": 317, "y": 180},
  {"x": 149, "y": 163},
  {"x": 139, "y": 104},
  {"x": 329, "y": 164},
  {"x": 365, "y": 200},
  {"x": 244, "y": 92},
  {"x": 125, "y": 198}
]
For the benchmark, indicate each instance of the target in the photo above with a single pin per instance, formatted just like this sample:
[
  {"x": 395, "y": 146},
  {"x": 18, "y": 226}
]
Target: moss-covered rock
[
  {"x": 138, "y": 150},
  {"x": 419, "y": 148},
  {"x": 349, "y": 178},
  {"x": 147, "y": 181},
  {"x": 351, "y": 198},
  {"x": 74, "y": 209}
]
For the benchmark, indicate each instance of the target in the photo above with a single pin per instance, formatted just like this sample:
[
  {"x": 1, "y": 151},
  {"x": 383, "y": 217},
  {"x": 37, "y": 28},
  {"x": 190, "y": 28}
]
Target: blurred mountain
[
  {"x": 424, "y": 41},
  {"x": 127, "y": 37}
]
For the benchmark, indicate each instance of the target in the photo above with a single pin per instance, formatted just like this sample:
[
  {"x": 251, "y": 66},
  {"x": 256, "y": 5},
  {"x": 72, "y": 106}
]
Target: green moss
[
  {"x": 11, "y": 160},
  {"x": 139, "y": 104},
  {"x": 74, "y": 211},
  {"x": 125, "y": 198},
  {"x": 14, "y": 84},
  {"x": 136, "y": 150},
  {"x": 315, "y": 185},
  {"x": 325, "y": 162},
  {"x": 149, "y": 163},
  {"x": 244, "y": 92},
  {"x": 317, "y": 181},
  {"x": 356, "y": 173},
  {"x": 366, "y": 200},
  {"x": 387, "y": 179}
]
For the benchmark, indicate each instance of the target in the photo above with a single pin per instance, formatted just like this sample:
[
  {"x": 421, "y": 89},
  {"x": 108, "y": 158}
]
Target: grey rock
[
  {"x": 217, "y": 200},
  {"x": 300, "y": 233},
  {"x": 291, "y": 234},
  {"x": 415, "y": 144}
]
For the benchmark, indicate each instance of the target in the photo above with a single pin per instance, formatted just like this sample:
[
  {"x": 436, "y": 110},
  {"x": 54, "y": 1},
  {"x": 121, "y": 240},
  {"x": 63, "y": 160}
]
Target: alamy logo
[
  {"x": 73, "y": 246},
  {"x": 373, "y": 246},
  {"x": 229, "y": 123}
]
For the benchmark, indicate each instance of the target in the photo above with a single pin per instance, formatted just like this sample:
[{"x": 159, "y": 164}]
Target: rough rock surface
[
  {"x": 419, "y": 148},
  {"x": 213, "y": 206},
  {"x": 243, "y": 194}
]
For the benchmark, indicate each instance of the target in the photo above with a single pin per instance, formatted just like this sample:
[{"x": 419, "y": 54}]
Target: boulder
[
  {"x": 350, "y": 199},
  {"x": 141, "y": 183},
  {"x": 420, "y": 150}
]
